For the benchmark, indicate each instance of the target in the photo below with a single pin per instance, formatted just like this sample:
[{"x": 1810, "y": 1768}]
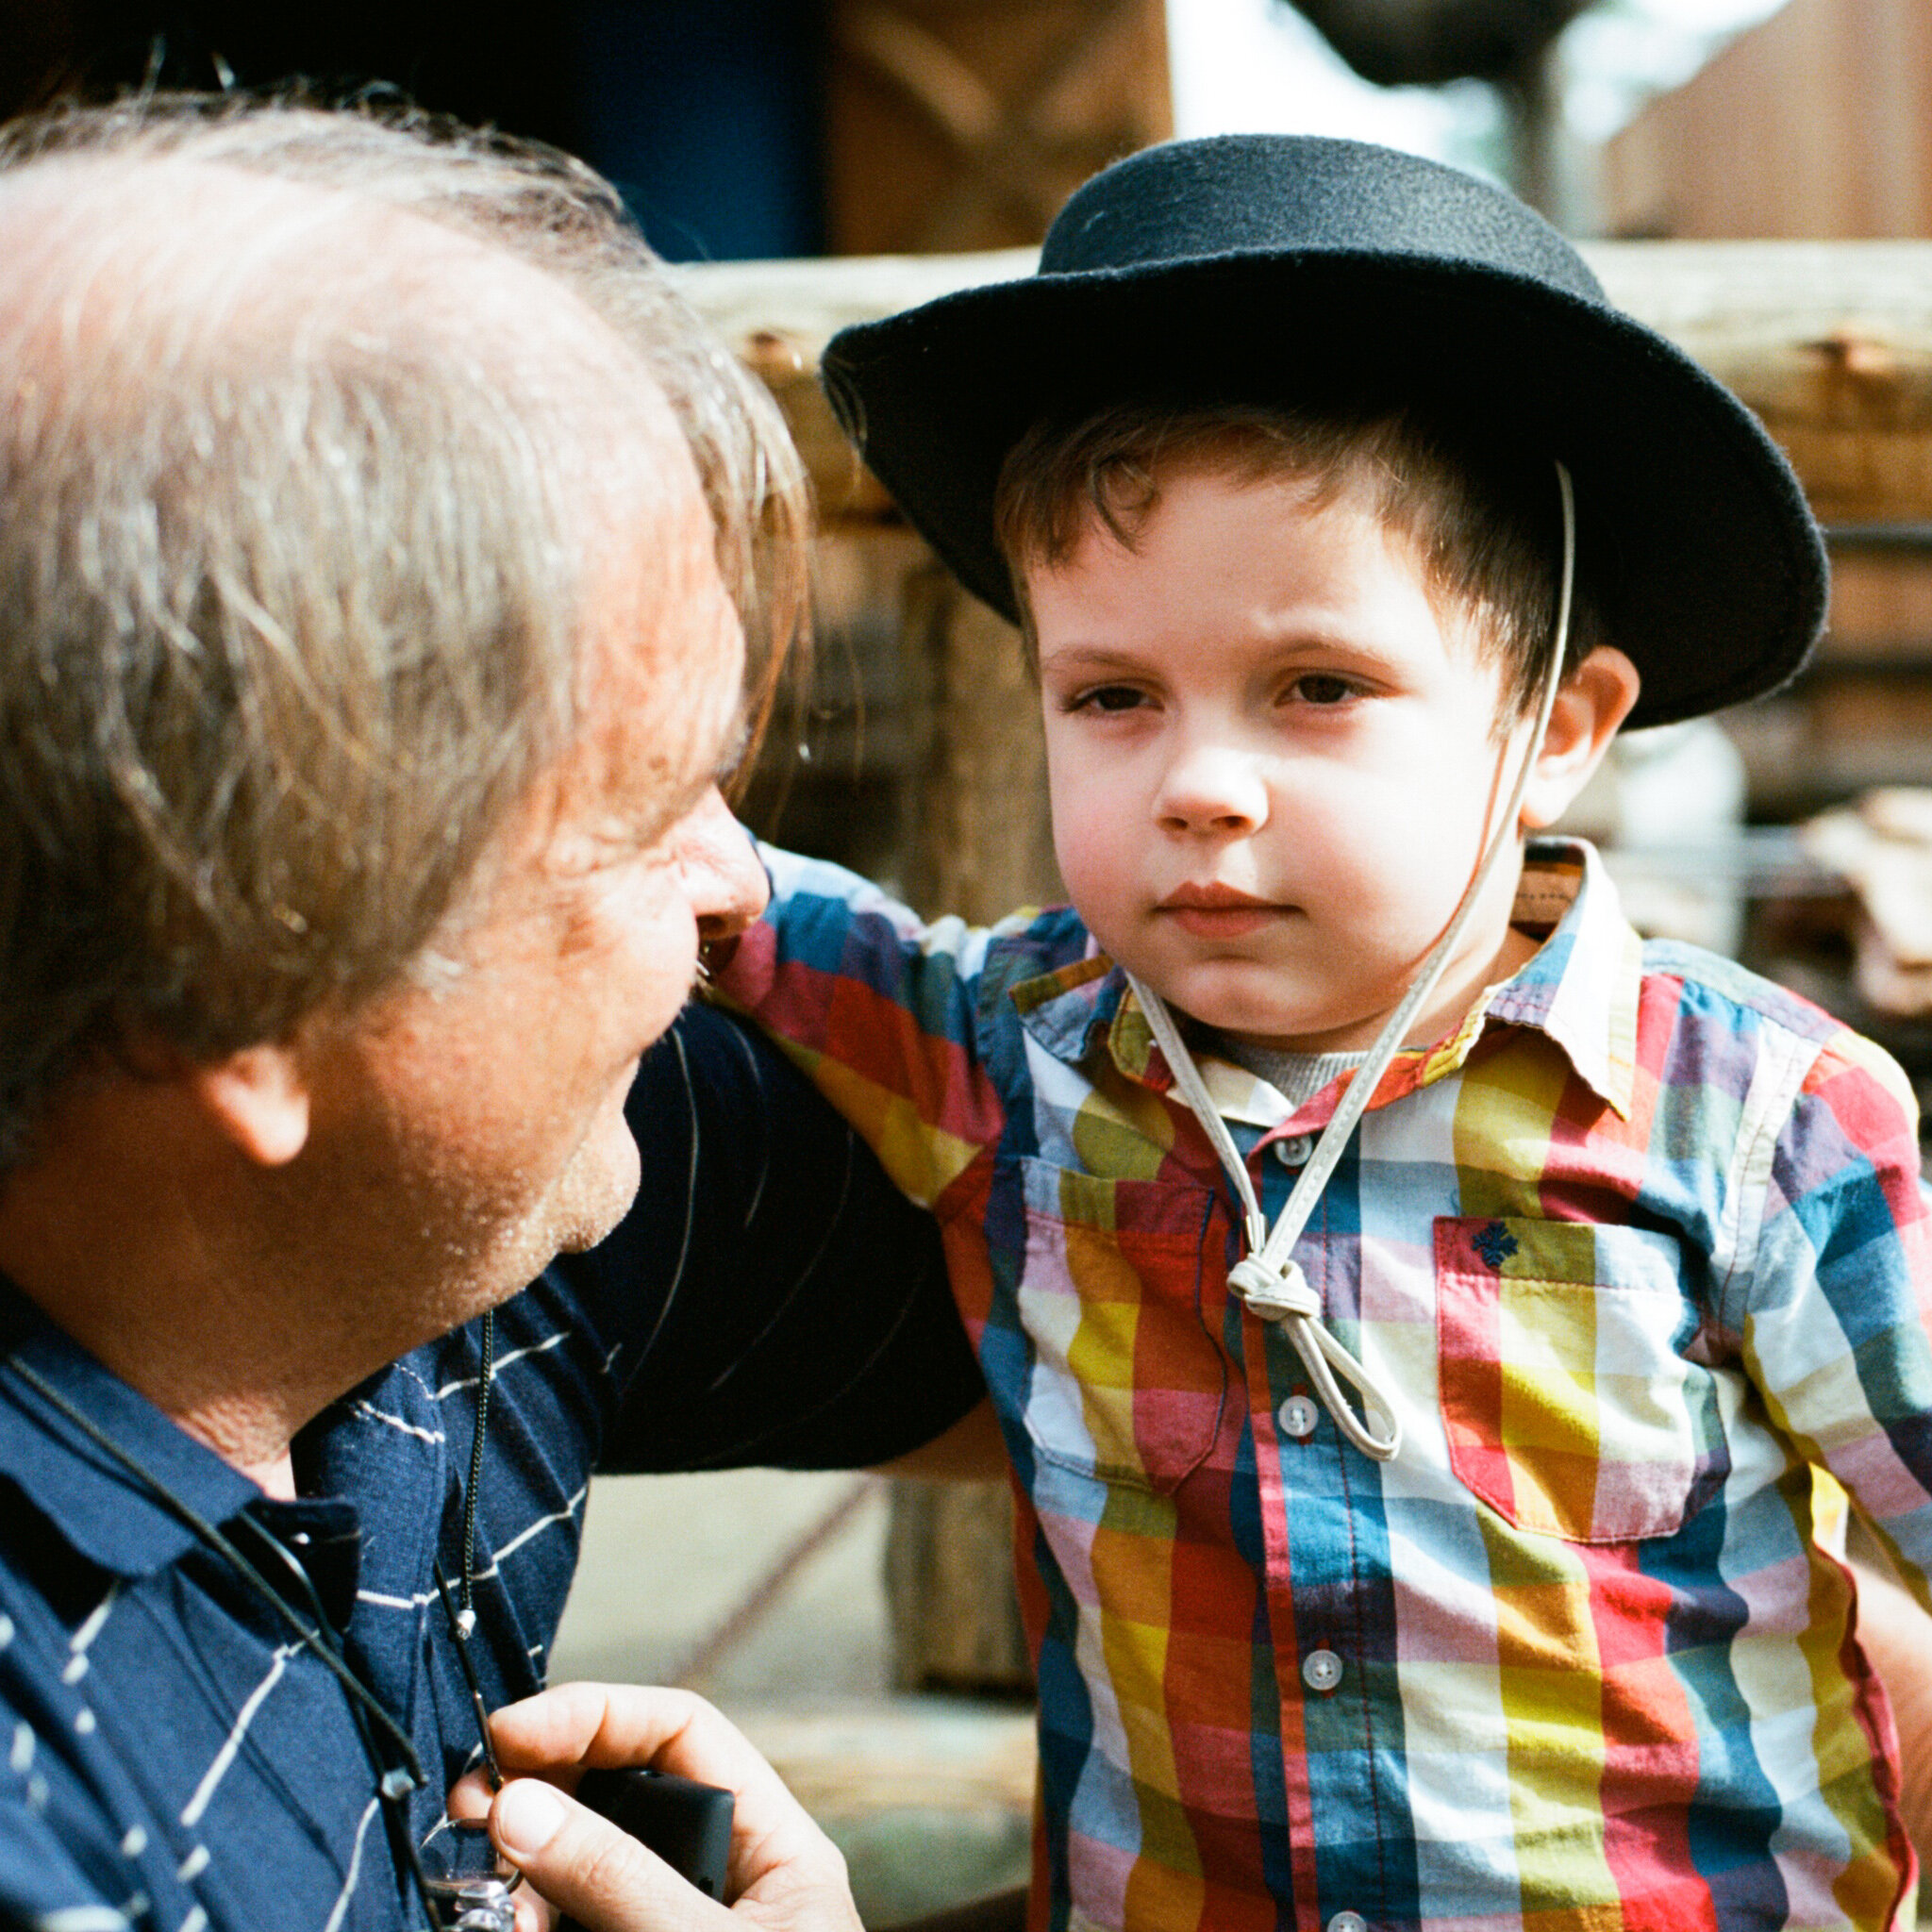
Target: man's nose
[
  {"x": 1212, "y": 788},
  {"x": 724, "y": 879}
]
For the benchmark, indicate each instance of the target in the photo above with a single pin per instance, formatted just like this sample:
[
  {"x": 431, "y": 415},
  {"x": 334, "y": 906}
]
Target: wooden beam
[{"x": 1830, "y": 343}]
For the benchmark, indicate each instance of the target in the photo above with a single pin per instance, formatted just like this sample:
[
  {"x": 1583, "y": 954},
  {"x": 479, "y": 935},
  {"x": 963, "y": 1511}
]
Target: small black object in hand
[{"x": 687, "y": 1824}]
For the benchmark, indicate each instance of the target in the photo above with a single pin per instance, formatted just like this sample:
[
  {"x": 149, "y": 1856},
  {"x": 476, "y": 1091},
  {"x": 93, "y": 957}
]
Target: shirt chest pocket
[
  {"x": 1126, "y": 1381},
  {"x": 1569, "y": 1405}
]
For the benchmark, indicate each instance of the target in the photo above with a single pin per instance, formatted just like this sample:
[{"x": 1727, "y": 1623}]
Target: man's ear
[
  {"x": 1594, "y": 699},
  {"x": 257, "y": 1099}
]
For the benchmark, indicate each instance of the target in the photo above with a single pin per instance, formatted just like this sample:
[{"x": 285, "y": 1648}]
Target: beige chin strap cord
[{"x": 1267, "y": 1277}]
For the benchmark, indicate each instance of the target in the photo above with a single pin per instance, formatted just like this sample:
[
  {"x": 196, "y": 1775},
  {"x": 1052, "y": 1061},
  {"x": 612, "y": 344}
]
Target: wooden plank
[
  {"x": 981, "y": 847},
  {"x": 779, "y": 315},
  {"x": 1830, "y": 343},
  {"x": 1881, "y": 606},
  {"x": 964, "y": 124}
]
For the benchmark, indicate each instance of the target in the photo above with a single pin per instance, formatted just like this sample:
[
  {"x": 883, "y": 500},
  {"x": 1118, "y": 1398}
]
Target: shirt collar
[
  {"x": 1580, "y": 990},
  {"x": 1583, "y": 986},
  {"x": 102, "y": 1509}
]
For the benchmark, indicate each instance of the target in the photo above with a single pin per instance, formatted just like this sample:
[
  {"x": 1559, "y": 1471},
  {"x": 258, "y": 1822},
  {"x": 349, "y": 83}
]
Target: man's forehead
[{"x": 661, "y": 658}]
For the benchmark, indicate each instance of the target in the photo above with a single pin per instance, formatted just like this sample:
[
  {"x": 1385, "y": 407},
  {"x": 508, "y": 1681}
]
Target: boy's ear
[
  {"x": 256, "y": 1099},
  {"x": 1594, "y": 699}
]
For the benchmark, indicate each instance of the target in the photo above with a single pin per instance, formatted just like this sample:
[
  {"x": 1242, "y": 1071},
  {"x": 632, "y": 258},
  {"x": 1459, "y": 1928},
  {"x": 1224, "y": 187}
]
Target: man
[{"x": 373, "y": 522}]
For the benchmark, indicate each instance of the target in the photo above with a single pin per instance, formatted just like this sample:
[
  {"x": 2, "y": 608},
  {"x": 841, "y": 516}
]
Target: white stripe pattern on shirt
[
  {"x": 516, "y": 1542},
  {"x": 370, "y": 1414},
  {"x": 384, "y": 1602},
  {"x": 217, "y": 1767},
  {"x": 97, "y": 1617},
  {"x": 348, "y": 1892},
  {"x": 502, "y": 1362}
]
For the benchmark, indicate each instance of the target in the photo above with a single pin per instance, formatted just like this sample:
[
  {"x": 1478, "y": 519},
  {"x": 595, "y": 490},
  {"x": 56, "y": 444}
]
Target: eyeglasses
[{"x": 463, "y": 1873}]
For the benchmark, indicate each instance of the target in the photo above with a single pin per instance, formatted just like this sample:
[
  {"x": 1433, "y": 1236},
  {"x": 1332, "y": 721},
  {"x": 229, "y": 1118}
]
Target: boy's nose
[
  {"x": 724, "y": 879},
  {"x": 1212, "y": 788}
]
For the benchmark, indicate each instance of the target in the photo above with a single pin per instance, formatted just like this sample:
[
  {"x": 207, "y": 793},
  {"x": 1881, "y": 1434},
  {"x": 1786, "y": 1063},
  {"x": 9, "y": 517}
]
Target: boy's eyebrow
[
  {"x": 1099, "y": 656},
  {"x": 1285, "y": 647}
]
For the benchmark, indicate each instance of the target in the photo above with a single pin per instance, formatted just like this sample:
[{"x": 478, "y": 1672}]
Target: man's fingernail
[{"x": 528, "y": 1814}]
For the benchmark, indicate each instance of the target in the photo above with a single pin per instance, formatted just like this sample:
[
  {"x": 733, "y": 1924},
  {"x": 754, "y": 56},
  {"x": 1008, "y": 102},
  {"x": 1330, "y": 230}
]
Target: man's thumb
[{"x": 591, "y": 1870}]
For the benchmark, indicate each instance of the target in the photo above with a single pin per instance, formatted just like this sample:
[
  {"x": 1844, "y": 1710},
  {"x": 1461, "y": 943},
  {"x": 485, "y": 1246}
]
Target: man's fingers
[
  {"x": 591, "y": 1723},
  {"x": 469, "y": 1797},
  {"x": 574, "y": 1726},
  {"x": 589, "y": 1869},
  {"x": 784, "y": 1871}
]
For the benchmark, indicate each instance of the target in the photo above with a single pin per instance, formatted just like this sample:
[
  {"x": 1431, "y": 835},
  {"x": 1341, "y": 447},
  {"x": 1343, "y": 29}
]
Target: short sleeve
[
  {"x": 770, "y": 1298},
  {"x": 1839, "y": 1323}
]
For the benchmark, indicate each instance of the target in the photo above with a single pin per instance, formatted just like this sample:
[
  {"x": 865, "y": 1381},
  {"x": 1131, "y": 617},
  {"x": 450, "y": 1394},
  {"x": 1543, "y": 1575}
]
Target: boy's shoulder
[
  {"x": 1736, "y": 987},
  {"x": 1713, "y": 992}
]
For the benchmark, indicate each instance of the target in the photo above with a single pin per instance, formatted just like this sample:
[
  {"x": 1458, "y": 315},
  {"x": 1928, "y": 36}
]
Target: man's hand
[
  {"x": 1897, "y": 1637},
  {"x": 785, "y": 1872}
]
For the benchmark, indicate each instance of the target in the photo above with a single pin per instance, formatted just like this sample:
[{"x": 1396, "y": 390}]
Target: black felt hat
[{"x": 1268, "y": 268}]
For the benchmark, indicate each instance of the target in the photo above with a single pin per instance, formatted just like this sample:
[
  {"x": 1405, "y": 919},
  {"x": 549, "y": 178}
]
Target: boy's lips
[{"x": 1217, "y": 911}]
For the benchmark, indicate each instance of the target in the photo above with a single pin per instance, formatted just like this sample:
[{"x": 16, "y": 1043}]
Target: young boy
[{"x": 1443, "y": 1540}]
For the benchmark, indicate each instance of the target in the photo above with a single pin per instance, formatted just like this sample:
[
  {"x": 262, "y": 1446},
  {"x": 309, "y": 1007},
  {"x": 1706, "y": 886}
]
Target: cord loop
[
  {"x": 1267, "y": 1278},
  {"x": 1274, "y": 1290}
]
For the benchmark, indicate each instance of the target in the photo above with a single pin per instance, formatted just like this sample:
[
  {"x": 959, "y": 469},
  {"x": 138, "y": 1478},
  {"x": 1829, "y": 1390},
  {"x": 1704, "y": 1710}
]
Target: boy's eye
[
  {"x": 1108, "y": 697},
  {"x": 1323, "y": 688}
]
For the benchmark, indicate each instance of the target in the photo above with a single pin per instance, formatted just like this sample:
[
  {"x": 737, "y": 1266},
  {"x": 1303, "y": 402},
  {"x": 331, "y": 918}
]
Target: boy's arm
[
  {"x": 879, "y": 1008},
  {"x": 1832, "y": 1295},
  {"x": 973, "y": 1449}
]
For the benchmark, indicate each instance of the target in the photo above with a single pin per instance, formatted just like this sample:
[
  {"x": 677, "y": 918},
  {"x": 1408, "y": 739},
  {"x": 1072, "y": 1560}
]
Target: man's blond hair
[{"x": 293, "y": 565}]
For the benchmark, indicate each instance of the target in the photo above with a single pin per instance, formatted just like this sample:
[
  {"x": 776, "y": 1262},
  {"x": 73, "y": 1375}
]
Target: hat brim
[{"x": 1692, "y": 530}]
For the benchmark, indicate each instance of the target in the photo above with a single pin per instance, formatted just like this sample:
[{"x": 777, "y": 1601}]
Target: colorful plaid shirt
[{"x": 1642, "y": 1252}]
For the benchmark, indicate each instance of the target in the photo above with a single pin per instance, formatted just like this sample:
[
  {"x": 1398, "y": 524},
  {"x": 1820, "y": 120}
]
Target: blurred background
[{"x": 1755, "y": 178}]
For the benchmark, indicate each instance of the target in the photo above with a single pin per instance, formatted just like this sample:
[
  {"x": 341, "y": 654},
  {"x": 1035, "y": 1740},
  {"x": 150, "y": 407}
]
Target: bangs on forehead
[{"x": 1482, "y": 520}]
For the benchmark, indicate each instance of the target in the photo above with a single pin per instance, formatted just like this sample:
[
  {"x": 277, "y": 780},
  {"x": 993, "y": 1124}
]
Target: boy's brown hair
[{"x": 1484, "y": 521}]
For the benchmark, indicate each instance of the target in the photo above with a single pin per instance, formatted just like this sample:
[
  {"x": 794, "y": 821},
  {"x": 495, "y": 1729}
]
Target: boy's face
[{"x": 1274, "y": 762}]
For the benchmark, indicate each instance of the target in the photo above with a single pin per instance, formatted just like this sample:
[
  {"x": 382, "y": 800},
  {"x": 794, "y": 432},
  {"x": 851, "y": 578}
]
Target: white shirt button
[
  {"x": 1295, "y": 1150},
  {"x": 1348, "y": 1921},
  {"x": 1321, "y": 1670},
  {"x": 1299, "y": 1417}
]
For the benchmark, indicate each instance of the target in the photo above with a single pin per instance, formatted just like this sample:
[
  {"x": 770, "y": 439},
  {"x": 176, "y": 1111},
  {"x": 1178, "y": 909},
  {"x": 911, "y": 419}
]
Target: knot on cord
[{"x": 1275, "y": 1289}]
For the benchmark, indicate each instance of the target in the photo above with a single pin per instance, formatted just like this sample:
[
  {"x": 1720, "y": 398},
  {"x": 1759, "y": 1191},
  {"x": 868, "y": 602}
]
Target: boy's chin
[
  {"x": 1358, "y": 1037},
  {"x": 1284, "y": 1027}
]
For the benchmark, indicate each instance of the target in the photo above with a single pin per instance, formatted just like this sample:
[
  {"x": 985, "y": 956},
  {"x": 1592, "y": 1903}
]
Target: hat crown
[{"x": 1252, "y": 194}]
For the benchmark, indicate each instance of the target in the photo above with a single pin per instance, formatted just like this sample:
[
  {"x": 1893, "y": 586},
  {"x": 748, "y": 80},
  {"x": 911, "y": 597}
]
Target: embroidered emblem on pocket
[{"x": 1495, "y": 1244}]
